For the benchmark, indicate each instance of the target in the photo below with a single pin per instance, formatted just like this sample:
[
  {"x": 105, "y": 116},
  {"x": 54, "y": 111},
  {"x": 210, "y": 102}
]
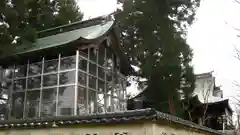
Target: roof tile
[{"x": 106, "y": 118}]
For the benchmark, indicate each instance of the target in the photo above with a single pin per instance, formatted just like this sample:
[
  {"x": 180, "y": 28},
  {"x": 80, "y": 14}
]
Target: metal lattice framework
[{"x": 84, "y": 83}]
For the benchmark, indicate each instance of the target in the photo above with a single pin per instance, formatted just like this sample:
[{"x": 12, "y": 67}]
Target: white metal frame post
[
  {"x": 25, "y": 92},
  {"x": 58, "y": 81},
  {"x": 10, "y": 94},
  {"x": 41, "y": 88},
  {"x": 76, "y": 85}
]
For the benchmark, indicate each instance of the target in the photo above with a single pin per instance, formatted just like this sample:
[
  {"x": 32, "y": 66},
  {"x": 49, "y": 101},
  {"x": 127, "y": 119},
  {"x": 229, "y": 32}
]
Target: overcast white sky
[{"x": 212, "y": 40}]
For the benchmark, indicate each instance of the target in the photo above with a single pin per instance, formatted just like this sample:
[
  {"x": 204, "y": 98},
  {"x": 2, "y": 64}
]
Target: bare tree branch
[
  {"x": 206, "y": 93},
  {"x": 237, "y": 29},
  {"x": 237, "y": 1},
  {"x": 237, "y": 55}
]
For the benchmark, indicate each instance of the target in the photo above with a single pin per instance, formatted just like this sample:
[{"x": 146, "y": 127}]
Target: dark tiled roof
[{"x": 106, "y": 118}]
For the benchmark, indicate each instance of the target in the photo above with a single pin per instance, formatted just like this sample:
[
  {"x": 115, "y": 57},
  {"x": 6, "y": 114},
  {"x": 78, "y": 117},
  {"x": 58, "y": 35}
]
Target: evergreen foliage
[{"x": 153, "y": 37}]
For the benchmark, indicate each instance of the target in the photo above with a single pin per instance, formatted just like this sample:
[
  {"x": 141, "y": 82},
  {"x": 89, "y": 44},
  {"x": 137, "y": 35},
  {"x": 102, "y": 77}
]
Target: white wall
[{"x": 204, "y": 87}]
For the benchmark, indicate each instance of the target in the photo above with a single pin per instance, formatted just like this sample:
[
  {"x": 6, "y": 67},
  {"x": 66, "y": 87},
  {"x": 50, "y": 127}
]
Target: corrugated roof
[{"x": 87, "y": 33}]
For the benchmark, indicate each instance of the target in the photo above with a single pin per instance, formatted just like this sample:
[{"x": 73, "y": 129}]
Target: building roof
[
  {"x": 105, "y": 118},
  {"x": 204, "y": 75},
  {"x": 84, "y": 31},
  {"x": 68, "y": 36},
  {"x": 218, "y": 106}
]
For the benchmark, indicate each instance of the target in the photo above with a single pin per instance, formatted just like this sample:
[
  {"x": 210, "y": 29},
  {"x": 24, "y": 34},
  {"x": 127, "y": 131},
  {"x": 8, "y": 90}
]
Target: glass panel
[
  {"x": 100, "y": 103},
  {"x": 116, "y": 104},
  {"x": 17, "y": 105},
  {"x": 91, "y": 101},
  {"x": 109, "y": 88},
  {"x": 8, "y": 73},
  {"x": 125, "y": 94},
  {"x": 114, "y": 60},
  {"x": 118, "y": 64},
  {"x": 108, "y": 65},
  {"x": 67, "y": 77},
  {"x": 82, "y": 78},
  {"x": 49, "y": 80},
  {"x": 123, "y": 105},
  {"x": 92, "y": 82},
  {"x": 5, "y": 91},
  {"x": 19, "y": 85},
  {"x": 109, "y": 103},
  {"x": 20, "y": 71},
  {"x": 109, "y": 75},
  {"x": 122, "y": 94},
  {"x": 82, "y": 101},
  {"x": 109, "y": 59},
  {"x": 101, "y": 87},
  {"x": 124, "y": 84},
  {"x": 7, "y": 85},
  {"x": 48, "y": 106},
  {"x": 82, "y": 64},
  {"x": 118, "y": 87},
  {"x": 109, "y": 53},
  {"x": 101, "y": 55},
  {"x": 92, "y": 69},
  {"x": 4, "y": 111},
  {"x": 66, "y": 100},
  {"x": 84, "y": 53},
  {"x": 34, "y": 82},
  {"x": 68, "y": 63},
  {"x": 101, "y": 73},
  {"x": 51, "y": 66},
  {"x": 116, "y": 92},
  {"x": 35, "y": 69},
  {"x": 93, "y": 54},
  {"x": 32, "y": 104}
]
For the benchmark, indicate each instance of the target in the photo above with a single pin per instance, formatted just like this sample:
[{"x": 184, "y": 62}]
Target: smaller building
[
  {"x": 209, "y": 104},
  {"x": 206, "y": 107}
]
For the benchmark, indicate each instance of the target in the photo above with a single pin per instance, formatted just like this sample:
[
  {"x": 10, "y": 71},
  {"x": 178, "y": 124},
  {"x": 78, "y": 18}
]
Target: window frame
[{"x": 114, "y": 74}]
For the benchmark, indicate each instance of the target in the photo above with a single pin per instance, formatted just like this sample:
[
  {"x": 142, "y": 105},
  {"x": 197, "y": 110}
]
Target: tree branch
[
  {"x": 237, "y": 29},
  {"x": 237, "y": 1},
  {"x": 237, "y": 55}
]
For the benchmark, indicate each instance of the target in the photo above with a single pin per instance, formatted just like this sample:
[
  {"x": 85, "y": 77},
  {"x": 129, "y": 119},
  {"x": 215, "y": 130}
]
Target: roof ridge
[
  {"x": 67, "y": 25},
  {"x": 205, "y": 73},
  {"x": 72, "y": 26}
]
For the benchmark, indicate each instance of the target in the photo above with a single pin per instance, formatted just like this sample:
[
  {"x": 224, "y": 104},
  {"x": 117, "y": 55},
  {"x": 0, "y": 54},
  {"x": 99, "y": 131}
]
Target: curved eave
[
  {"x": 83, "y": 35},
  {"x": 223, "y": 103},
  {"x": 213, "y": 106}
]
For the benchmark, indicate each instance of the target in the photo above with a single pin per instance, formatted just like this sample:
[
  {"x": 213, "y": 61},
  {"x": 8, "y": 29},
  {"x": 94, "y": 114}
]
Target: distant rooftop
[{"x": 204, "y": 75}]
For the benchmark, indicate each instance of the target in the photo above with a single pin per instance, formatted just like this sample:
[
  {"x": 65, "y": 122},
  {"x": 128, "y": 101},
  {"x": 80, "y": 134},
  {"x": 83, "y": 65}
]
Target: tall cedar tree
[
  {"x": 153, "y": 37},
  {"x": 20, "y": 19}
]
